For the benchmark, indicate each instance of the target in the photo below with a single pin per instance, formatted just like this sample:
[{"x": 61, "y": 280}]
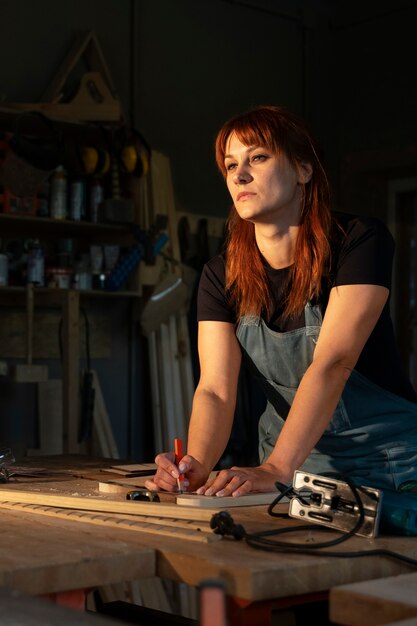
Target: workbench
[{"x": 47, "y": 555}]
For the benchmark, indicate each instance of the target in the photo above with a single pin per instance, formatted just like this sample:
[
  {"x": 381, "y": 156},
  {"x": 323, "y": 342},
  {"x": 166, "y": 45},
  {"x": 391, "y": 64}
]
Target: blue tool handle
[
  {"x": 398, "y": 514},
  {"x": 128, "y": 263}
]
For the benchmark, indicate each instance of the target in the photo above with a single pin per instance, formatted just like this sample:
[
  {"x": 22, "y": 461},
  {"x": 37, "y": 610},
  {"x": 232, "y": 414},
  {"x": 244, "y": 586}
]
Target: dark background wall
[{"x": 181, "y": 67}]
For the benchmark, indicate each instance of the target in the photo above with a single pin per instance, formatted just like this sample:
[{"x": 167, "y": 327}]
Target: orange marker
[{"x": 179, "y": 453}]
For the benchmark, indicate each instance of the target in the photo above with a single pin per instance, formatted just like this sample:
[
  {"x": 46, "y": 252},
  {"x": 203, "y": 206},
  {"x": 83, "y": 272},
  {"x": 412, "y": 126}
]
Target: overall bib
[{"x": 372, "y": 437}]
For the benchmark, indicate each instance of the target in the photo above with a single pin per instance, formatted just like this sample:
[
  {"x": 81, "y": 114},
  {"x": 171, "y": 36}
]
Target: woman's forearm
[
  {"x": 210, "y": 427},
  {"x": 312, "y": 409}
]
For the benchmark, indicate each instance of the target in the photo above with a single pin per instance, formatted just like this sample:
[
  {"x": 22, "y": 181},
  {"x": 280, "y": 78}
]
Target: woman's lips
[{"x": 243, "y": 195}]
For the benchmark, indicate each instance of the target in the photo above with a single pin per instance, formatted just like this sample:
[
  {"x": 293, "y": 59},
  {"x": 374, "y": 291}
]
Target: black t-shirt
[{"x": 363, "y": 255}]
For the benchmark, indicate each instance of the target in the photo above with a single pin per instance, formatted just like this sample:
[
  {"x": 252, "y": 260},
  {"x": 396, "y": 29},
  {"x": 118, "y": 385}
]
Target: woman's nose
[{"x": 241, "y": 176}]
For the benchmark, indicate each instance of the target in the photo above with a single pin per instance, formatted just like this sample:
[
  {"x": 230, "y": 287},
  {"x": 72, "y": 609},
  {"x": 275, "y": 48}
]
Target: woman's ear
[{"x": 305, "y": 172}]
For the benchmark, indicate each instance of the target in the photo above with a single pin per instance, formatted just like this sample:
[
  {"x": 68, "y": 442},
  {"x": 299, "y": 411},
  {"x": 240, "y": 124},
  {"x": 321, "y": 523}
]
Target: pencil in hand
[{"x": 179, "y": 453}]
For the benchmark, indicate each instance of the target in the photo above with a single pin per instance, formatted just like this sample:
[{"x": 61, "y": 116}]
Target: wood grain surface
[{"x": 375, "y": 601}]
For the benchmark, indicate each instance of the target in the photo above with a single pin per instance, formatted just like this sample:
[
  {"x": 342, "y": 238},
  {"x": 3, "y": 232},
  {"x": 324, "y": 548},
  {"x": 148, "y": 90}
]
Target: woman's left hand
[{"x": 239, "y": 481}]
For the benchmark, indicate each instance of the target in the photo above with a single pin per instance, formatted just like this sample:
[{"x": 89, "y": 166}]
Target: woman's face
[{"x": 264, "y": 186}]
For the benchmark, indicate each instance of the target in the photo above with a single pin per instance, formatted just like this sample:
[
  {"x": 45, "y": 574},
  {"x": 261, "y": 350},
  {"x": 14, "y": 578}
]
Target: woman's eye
[
  {"x": 259, "y": 157},
  {"x": 230, "y": 166}
]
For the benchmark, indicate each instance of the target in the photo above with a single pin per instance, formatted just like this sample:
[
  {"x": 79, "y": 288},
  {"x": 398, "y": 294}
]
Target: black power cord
[{"x": 222, "y": 523}]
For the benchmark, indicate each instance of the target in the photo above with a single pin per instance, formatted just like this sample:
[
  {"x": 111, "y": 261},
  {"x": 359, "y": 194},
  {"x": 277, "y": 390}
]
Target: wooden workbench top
[{"x": 249, "y": 573}]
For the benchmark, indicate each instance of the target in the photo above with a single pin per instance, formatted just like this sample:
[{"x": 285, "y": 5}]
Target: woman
[{"x": 301, "y": 294}]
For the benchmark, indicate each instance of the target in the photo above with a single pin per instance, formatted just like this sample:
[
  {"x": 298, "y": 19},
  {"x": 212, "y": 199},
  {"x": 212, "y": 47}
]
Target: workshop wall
[{"x": 181, "y": 67}]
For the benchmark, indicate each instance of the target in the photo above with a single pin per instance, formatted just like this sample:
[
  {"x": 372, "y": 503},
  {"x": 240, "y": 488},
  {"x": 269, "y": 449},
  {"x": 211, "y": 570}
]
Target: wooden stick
[
  {"x": 102, "y": 417},
  {"x": 129, "y": 507},
  {"x": 174, "y": 529}
]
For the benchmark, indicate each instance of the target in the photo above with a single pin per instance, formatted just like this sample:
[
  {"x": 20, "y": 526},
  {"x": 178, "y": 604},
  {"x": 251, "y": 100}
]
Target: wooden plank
[
  {"x": 186, "y": 369},
  {"x": 102, "y": 421},
  {"x": 374, "y": 601},
  {"x": 133, "y": 469},
  {"x": 46, "y": 334},
  {"x": 103, "y": 112},
  {"x": 155, "y": 390},
  {"x": 168, "y": 396},
  {"x": 71, "y": 371},
  {"x": 176, "y": 529},
  {"x": 108, "y": 506},
  {"x": 49, "y": 418},
  {"x": 177, "y": 399},
  {"x": 28, "y": 372}
]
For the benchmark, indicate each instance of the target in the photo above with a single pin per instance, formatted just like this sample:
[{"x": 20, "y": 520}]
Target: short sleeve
[
  {"x": 366, "y": 254},
  {"x": 212, "y": 302}
]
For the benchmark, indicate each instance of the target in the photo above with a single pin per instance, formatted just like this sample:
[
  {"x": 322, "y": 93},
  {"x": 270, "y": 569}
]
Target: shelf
[
  {"x": 54, "y": 297},
  {"x": 44, "y": 226}
]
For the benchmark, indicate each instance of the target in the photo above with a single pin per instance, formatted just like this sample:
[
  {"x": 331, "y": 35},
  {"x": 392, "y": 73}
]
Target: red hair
[{"x": 278, "y": 130}]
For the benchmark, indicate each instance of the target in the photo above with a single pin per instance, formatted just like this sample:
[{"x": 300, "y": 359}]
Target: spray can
[
  {"x": 77, "y": 200},
  {"x": 96, "y": 198},
  {"x": 58, "y": 199},
  {"x": 36, "y": 264}
]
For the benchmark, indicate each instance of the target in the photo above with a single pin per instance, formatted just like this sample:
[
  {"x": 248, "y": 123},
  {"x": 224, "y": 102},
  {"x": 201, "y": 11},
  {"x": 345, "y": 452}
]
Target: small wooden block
[{"x": 215, "y": 502}]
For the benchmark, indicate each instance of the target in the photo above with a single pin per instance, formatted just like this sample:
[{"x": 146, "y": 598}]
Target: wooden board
[
  {"x": 177, "y": 529},
  {"x": 215, "y": 502},
  {"x": 128, "y": 507},
  {"x": 132, "y": 469},
  {"x": 374, "y": 601}
]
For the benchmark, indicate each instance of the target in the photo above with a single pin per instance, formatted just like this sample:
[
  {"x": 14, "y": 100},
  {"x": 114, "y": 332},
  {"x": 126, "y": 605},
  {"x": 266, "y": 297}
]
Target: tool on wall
[
  {"x": 28, "y": 372},
  {"x": 150, "y": 244}
]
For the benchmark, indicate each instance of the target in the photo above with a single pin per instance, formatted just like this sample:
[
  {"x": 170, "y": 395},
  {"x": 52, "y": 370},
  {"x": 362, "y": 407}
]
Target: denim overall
[{"x": 372, "y": 437}]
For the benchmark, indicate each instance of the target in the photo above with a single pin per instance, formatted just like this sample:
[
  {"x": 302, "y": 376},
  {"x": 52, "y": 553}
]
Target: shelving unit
[{"x": 68, "y": 301}]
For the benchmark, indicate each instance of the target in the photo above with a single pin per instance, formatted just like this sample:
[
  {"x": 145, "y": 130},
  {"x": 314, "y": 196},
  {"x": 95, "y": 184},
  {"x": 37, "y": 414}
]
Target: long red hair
[{"x": 280, "y": 131}]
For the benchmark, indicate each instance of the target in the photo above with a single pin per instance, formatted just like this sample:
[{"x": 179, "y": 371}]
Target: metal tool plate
[{"x": 332, "y": 503}]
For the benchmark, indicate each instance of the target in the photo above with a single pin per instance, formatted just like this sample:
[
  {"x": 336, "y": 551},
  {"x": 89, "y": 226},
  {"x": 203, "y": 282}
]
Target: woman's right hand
[{"x": 165, "y": 479}]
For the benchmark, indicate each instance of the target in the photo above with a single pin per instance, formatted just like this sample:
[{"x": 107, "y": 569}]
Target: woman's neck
[{"x": 277, "y": 245}]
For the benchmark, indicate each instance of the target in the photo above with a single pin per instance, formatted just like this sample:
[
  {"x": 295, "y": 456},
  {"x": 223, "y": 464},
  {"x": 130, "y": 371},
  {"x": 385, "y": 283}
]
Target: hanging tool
[{"x": 148, "y": 247}]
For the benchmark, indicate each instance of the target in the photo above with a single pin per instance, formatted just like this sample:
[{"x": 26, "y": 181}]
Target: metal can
[
  {"x": 36, "y": 264},
  {"x": 77, "y": 200},
  {"x": 58, "y": 191},
  {"x": 4, "y": 270},
  {"x": 96, "y": 198}
]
